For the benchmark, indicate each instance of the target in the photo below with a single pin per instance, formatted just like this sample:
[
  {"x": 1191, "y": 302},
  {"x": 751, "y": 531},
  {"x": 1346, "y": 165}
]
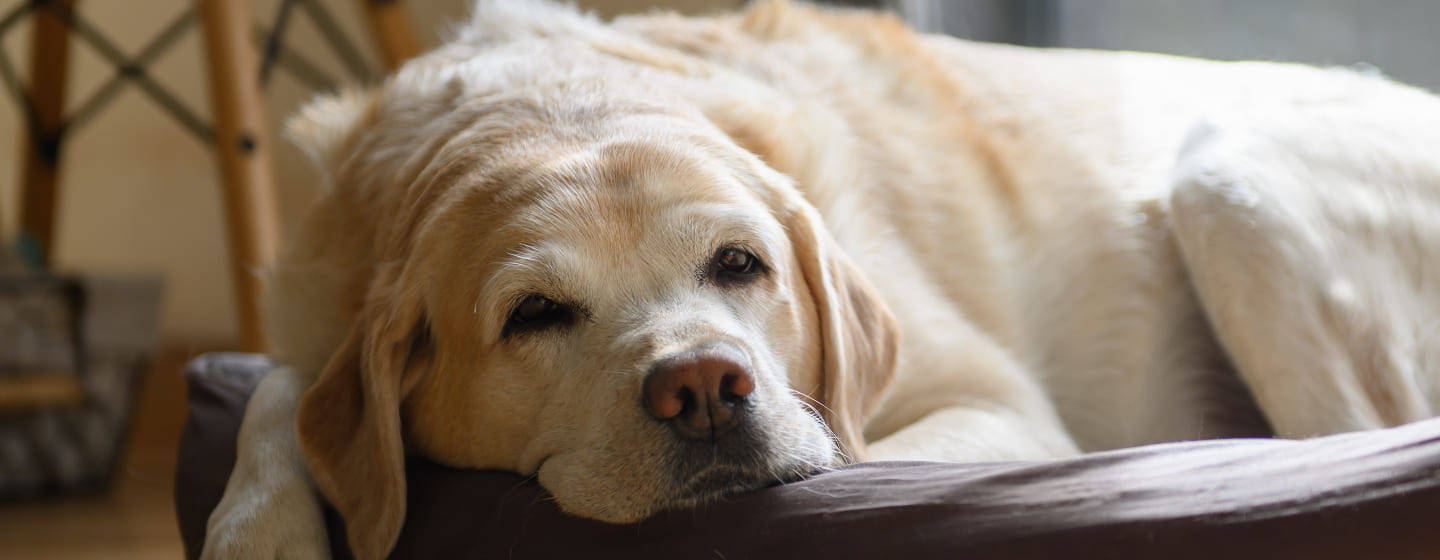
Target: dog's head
[{"x": 606, "y": 293}]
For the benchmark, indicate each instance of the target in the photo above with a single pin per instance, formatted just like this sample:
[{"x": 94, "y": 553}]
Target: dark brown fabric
[
  {"x": 219, "y": 387},
  {"x": 1363, "y": 495}
]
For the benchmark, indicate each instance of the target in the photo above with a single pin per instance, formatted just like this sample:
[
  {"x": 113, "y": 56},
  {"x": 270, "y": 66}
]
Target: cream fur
[{"x": 975, "y": 252}]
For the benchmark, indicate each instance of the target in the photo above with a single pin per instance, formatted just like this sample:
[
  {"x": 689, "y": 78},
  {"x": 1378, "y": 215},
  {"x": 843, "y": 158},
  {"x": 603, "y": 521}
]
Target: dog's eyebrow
[
  {"x": 527, "y": 261},
  {"x": 708, "y": 218},
  {"x": 522, "y": 270},
  {"x": 525, "y": 271},
  {"x": 524, "y": 253}
]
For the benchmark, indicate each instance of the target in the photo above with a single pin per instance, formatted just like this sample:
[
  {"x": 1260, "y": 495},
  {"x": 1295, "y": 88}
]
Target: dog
[{"x": 660, "y": 260}]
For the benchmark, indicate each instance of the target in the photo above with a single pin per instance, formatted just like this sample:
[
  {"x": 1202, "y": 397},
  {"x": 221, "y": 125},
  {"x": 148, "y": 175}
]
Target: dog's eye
[
  {"x": 737, "y": 261},
  {"x": 536, "y": 313},
  {"x": 736, "y": 264}
]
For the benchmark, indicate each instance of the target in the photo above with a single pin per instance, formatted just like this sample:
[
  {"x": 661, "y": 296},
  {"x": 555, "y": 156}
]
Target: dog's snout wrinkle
[{"x": 700, "y": 392}]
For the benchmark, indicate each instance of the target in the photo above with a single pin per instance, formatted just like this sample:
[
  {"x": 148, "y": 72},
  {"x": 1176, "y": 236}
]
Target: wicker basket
[{"x": 72, "y": 352}]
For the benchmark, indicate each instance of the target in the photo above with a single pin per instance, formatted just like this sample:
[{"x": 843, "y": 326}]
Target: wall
[
  {"x": 1396, "y": 36},
  {"x": 139, "y": 193}
]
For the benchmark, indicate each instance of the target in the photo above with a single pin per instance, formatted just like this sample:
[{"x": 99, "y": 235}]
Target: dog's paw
[{"x": 265, "y": 524}]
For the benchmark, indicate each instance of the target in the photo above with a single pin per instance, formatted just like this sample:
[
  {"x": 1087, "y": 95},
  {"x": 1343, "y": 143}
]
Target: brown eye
[
  {"x": 733, "y": 264},
  {"x": 535, "y": 313},
  {"x": 532, "y": 308},
  {"x": 736, "y": 260}
]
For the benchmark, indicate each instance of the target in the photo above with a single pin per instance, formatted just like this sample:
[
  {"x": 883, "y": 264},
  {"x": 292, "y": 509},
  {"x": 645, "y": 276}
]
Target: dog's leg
[
  {"x": 270, "y": 508},
  {"x": 975, "y": 433},
  {"x": 984, "y": 407},
  {"x": 1313, "y": 239}
]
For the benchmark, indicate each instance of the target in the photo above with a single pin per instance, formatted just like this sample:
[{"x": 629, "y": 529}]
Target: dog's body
[{"x": 1024, "y": 254}]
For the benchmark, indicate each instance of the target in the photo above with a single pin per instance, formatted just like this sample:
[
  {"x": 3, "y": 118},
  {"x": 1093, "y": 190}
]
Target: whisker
[
  {"x": 811, "y": 404},
  {"x": 811, "y": 401}
]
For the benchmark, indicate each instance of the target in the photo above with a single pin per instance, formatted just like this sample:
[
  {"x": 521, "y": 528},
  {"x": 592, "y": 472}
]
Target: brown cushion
[{"x": 1370, "y": 494}]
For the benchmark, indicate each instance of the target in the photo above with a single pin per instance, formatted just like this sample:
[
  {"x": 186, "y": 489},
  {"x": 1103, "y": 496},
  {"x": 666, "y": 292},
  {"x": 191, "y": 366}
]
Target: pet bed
[{"x": 1370, "y": 494}]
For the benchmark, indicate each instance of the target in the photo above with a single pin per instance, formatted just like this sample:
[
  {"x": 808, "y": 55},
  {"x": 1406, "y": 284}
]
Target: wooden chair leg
[
  {"x": 392, "y": 30},
  {"x": 240, "y": 144},
  {"x": 39, "y": 183}
]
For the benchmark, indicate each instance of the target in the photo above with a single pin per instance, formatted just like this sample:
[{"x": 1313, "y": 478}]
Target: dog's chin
[
  {"x": 701, "y": 472},
  {"x": 675, "y": 473},
  {"x": 708, "y": 485},
  {"x": 716, "y": 483}
]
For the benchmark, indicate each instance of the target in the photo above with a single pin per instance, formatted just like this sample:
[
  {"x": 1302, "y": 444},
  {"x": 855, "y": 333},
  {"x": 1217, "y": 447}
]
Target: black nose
[{"x": 700, "y": 391}]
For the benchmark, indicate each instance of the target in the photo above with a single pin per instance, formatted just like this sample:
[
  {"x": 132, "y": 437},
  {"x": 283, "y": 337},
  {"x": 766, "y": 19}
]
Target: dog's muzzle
[{"x": 701, "y": 393}]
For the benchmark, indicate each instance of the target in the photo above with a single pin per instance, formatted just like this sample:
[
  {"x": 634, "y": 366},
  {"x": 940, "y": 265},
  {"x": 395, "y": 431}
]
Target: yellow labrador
[{"x": 660, "y": 260}]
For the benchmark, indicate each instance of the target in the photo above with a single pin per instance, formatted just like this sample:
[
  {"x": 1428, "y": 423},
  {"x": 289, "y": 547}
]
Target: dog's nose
[{"x": 700, "y": 392}]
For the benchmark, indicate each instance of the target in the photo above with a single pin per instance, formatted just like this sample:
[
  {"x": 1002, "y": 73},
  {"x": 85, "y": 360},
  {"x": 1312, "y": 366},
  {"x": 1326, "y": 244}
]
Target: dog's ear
[
  {"x": 349, "y": 421},
  {"x": 324, "y": 125},
  {"x": 859, "y": 335}
]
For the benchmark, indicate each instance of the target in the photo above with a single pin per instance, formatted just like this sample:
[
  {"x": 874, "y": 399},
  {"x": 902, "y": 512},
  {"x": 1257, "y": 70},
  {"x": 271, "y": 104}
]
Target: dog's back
[{"x": 1026, "y": 194}]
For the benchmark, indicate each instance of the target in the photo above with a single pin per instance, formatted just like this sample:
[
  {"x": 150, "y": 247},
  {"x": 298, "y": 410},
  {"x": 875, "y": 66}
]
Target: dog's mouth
[
  {"x": 706, "y": 475},
  {"x": 685, "y": 474},
  {"x": 719, "y": 481},
  {"x": 746, "y": 459}
]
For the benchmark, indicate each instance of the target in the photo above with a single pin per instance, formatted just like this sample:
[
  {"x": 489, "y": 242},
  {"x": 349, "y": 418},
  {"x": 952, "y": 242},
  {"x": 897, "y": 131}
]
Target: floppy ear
[
  {"x": 349, "y": 421},
  {"x": 859, "y": 335}
]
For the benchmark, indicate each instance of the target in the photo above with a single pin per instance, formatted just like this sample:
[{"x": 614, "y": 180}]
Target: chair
[{"x": 235, "y": 75}]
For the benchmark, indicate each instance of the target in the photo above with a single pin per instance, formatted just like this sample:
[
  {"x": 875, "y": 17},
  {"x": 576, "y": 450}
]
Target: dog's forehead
[
  {"x": 618, "y": 190},
  {"x": 612, "y": 216}
]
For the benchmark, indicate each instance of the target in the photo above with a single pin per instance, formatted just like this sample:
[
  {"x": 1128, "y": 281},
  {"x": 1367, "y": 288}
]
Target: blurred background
[{"x": 139, "y": 194}]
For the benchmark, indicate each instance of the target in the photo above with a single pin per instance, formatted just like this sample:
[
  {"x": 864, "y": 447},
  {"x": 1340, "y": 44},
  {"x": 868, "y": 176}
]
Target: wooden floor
[{"x": 136, "y": 517}]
